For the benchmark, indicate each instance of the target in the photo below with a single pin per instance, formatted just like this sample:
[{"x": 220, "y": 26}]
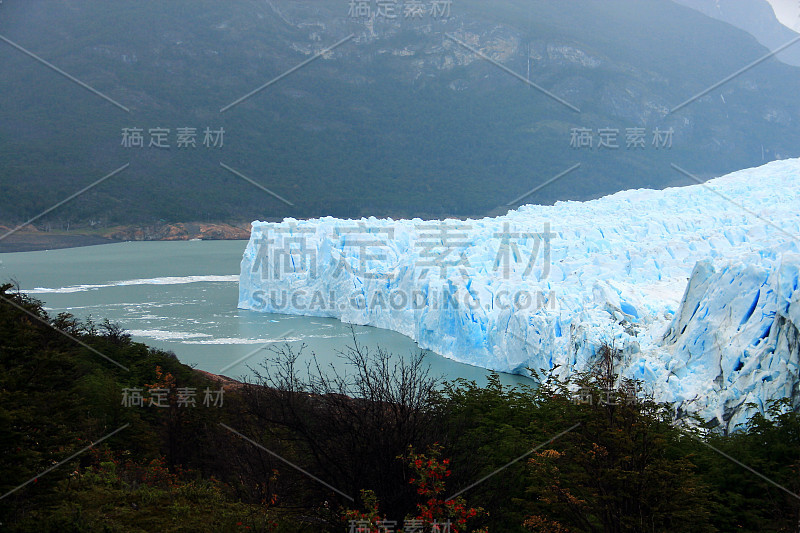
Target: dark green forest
[
  {"x": 382, "y": 447},
  {"x": 399, "y": 121}
]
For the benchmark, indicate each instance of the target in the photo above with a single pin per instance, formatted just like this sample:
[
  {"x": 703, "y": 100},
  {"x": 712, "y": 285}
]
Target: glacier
[{"x": 697, "y": 286}]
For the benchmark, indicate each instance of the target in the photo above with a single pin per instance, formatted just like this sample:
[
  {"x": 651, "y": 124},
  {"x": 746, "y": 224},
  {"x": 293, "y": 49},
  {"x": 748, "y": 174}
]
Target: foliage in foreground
[
  {"x": 549, "y": 461},
  {"x": 435, "y": 511}
]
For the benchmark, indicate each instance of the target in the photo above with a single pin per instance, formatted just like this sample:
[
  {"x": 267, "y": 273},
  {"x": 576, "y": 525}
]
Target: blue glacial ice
[{"x": 697, "y": 285}]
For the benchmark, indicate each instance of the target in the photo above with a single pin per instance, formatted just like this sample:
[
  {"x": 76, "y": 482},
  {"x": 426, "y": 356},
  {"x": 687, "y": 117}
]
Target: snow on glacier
[{"x": 696, "y": 285}]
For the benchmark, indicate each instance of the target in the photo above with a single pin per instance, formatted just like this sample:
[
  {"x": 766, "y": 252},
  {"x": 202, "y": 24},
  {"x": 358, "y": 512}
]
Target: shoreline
[
  {"x": 63, "y": 242},
  {"x": 30, "y": 242},
  {"x": 31, "y": 239},
  {"x": 226, "y": 382}
]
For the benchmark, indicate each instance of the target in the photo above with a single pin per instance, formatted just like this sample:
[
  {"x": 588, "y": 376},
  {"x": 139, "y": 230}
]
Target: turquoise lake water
[{"x": 181, "y": 296}]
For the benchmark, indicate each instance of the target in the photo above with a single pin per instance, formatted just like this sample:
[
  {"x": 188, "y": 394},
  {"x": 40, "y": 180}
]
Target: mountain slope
[
  {"x": 401, "y": 120},
  {"x": 755, "y": 17}
]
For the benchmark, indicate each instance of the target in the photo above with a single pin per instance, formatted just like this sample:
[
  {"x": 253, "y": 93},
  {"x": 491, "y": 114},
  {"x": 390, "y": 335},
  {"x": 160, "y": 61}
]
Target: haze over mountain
[
  {"x": 758, "y": 18},
  {"x": 403, "y": 119}
]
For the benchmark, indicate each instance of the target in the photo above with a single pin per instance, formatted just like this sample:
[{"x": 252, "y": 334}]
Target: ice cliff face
[{"x": 698, "y": 286}]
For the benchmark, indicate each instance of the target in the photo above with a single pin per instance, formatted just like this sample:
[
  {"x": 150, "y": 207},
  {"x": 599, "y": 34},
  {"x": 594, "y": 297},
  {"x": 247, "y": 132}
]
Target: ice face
[{"x": 697, "y": 286}]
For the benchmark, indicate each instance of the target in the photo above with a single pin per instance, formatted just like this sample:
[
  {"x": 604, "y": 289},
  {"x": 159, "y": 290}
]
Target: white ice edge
[
  {"x": 618, "y": 273},
  {"x": 166, "y": 280}
]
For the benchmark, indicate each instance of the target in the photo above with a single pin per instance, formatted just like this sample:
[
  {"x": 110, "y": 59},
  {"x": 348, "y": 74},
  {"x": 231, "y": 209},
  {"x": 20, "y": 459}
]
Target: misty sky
[{"x": 788, "y": 12}]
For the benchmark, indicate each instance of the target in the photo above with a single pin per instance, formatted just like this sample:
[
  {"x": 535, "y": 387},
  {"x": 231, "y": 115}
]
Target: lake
[{"x": 181, "y": 296}]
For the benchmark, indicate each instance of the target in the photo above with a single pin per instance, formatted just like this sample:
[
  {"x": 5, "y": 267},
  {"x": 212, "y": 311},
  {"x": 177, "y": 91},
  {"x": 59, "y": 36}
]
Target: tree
[
  {"x": 346, "y": 424},
  {"x": 770, "y": 445},
  {"x": 624, "y": 468},
  {"x": 434, "y": 511}
]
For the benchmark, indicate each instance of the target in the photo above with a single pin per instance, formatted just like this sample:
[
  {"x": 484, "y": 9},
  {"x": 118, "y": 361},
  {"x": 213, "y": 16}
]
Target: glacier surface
[{"x": 697, "y": 285}]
